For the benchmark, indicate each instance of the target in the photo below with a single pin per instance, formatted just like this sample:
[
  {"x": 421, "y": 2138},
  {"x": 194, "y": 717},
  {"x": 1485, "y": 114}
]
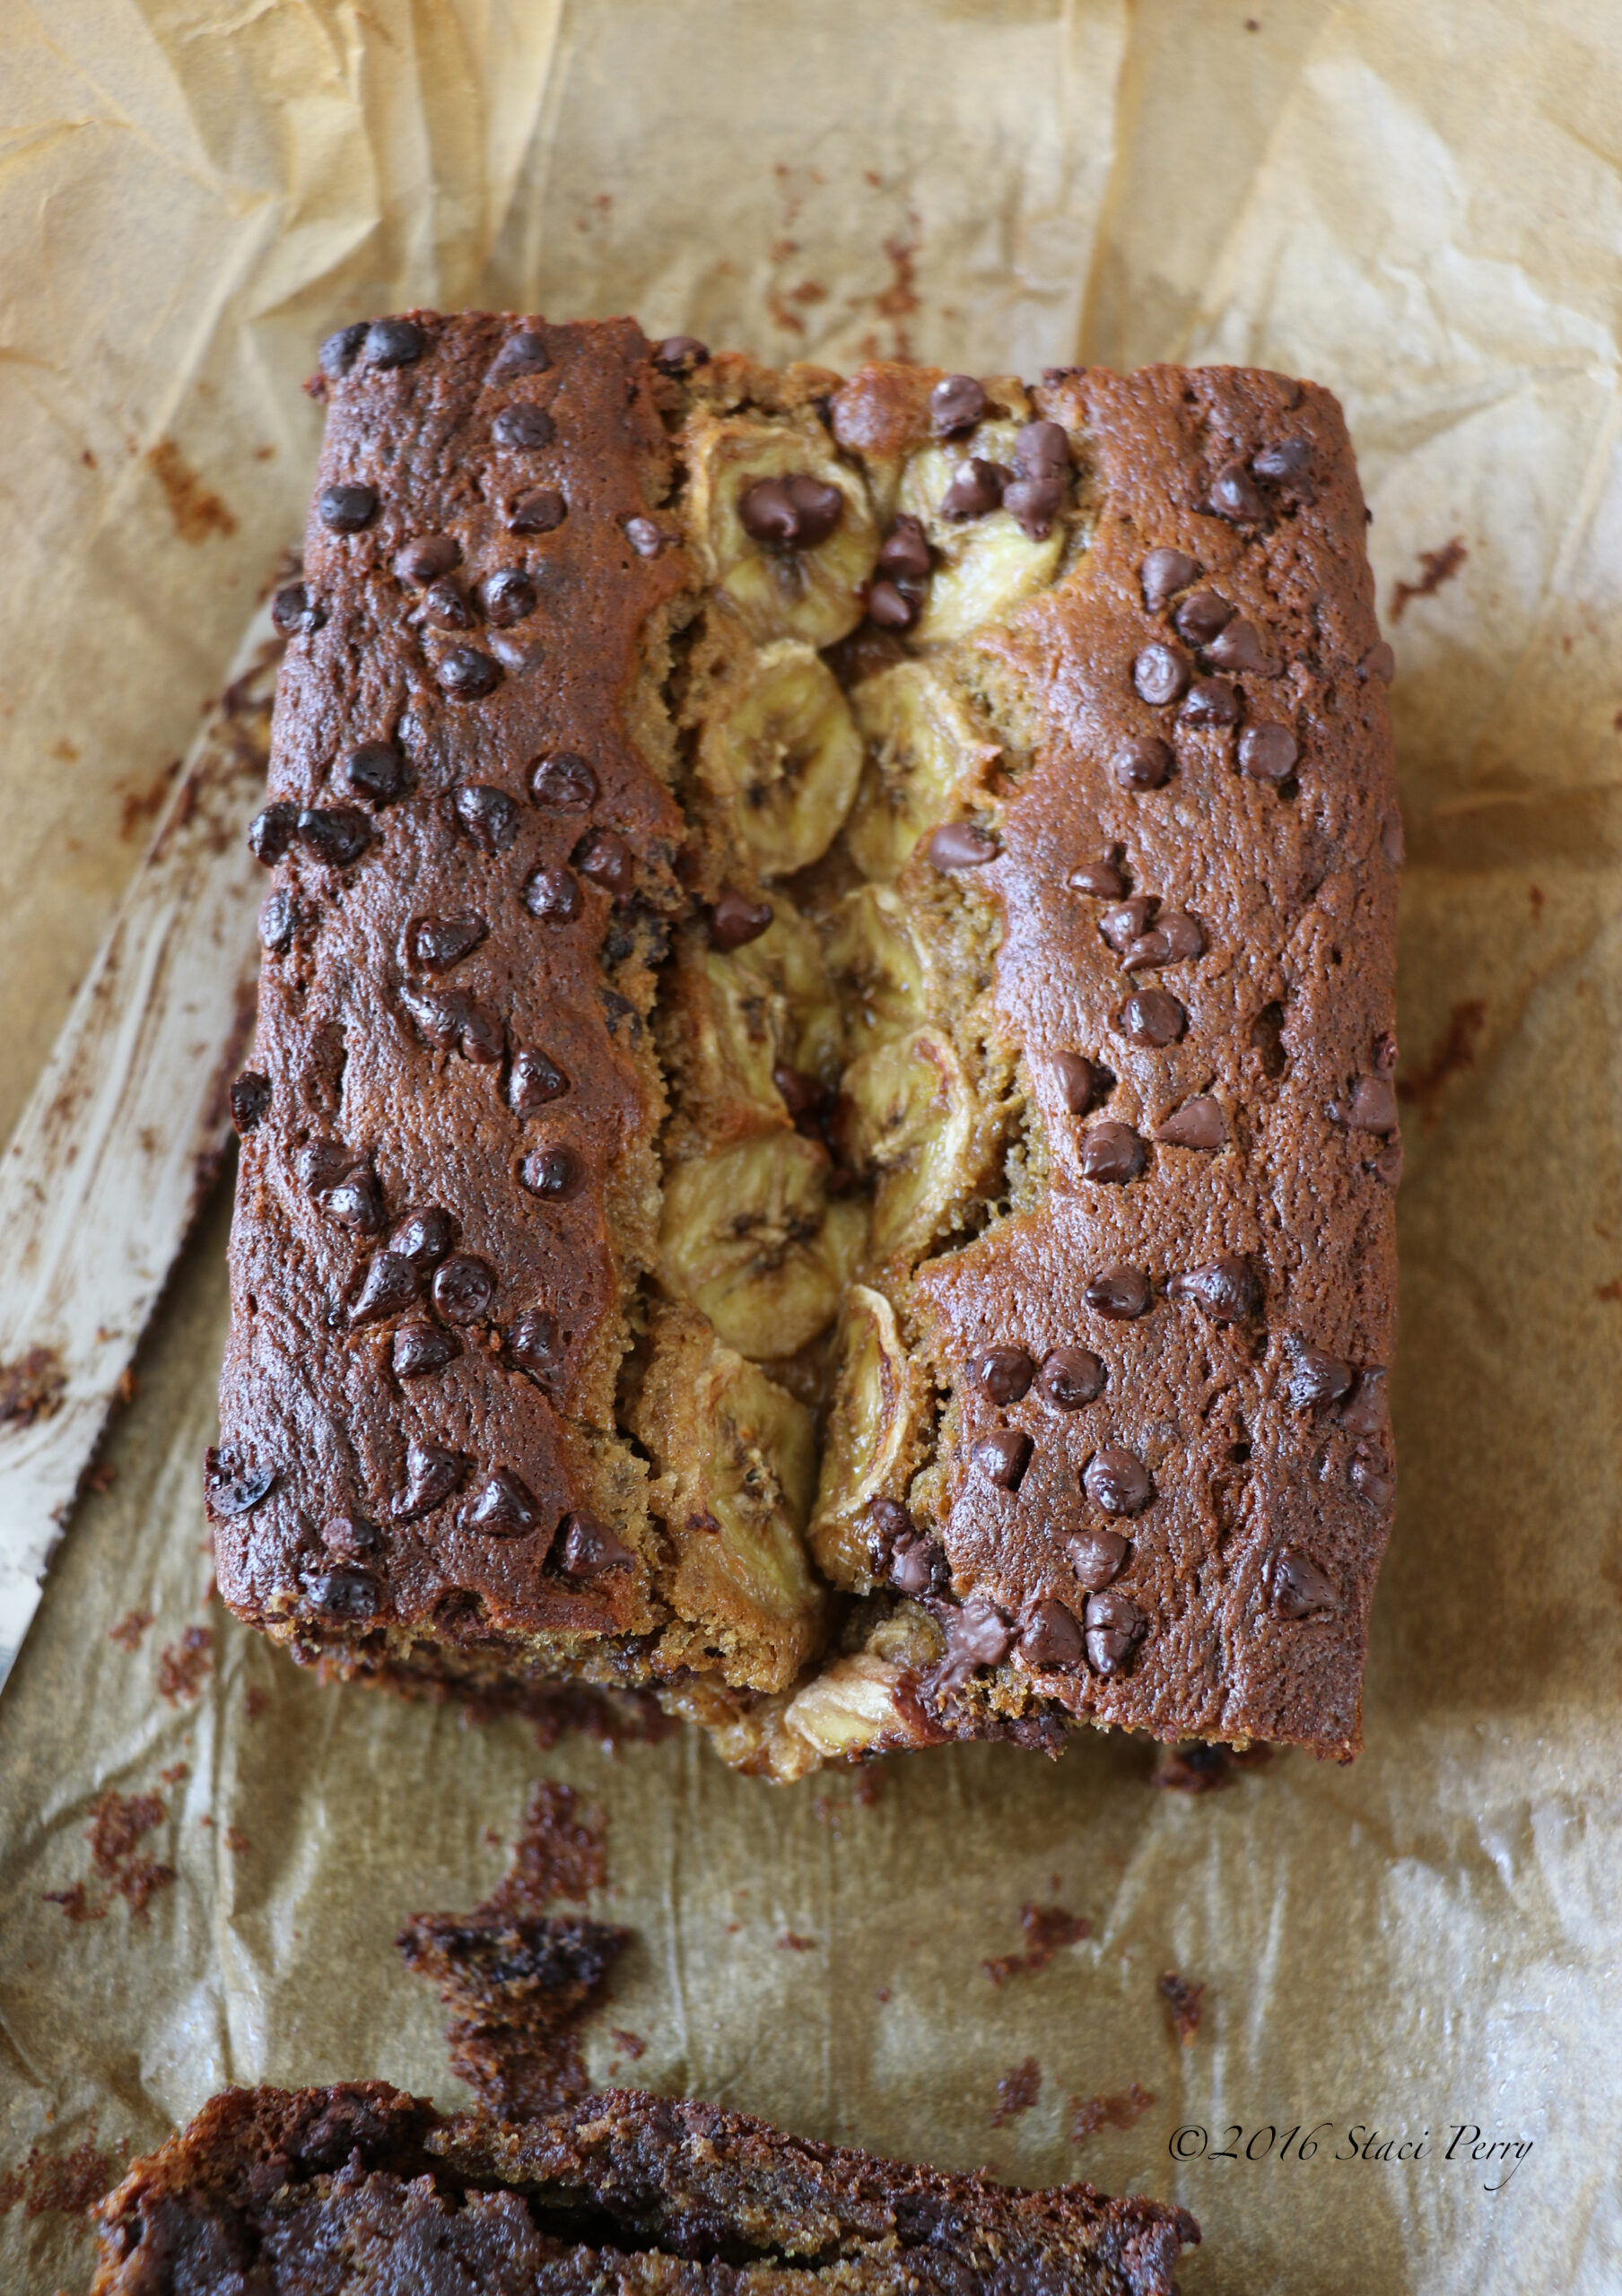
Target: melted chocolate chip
[
  {"x": 1002, "y": 1456},
  {"x": 1112, "y": 1151},
  {"x": 432, "y": 1474},
  {"x": 232, "y": 1489},
  {"x": 502, "y": 1508},
  {"x": 295, "y": 614},
  {"x": 1210, "y": 702},
  {"x": 1071, "y": 1377},
  {"x": 1118, "y": 1482},
  {"x": 1370, "y": 1107},
  {"x": 553, "y": 894},
  {"x": 977, "y": 1635},
  {"x": 961, "y": 845},
  {"x": 488, "y": 814},
  {"x": 343, "y": 1594},
  {"x": 1379, "y": 662},
  {"x": 801, "y": 1095},
  {"x": 905, "y": 553},
  {"x": 278, "y": 922},
  {"x": 1240, "y": 647},
  {"x": 1051, "y": 1637},
  {"x": 603, "y": 856},
  {"x": 445, "y": 608},
  {"x": 1173, "y": 939},
  {"x": 425, "y": 558},
  {"x": 1121, "y": 1294},
  {"x": 1267, "y": 751},
  {"x": 533, "y": 1081},
  {"x": 250, "y": 1102},
  {"x": 394, "y": 342},
  {"x": 1299, "y": 1588},
  {"x": 894, "y": 604},
  {"x": 918, "y": 1564},
  {"x": 1151, "y": 1016},
  {"x": 1143, "y": 764},
  {"x": 506, "y": 597},
  {"x": 957, "y": 403},
  {"x": 1367, "y": 1411},
  {"x": 524, "y": 427},
  {"x": 455, "y": 1023},
  {"x": 346, "y": 509},
  {"x": 976, "y": 489},
  {"x": 1165, "y": 572},
  {"x": 350, "y": 1537},
  {"x": 541, "y": 511},
  {"x": 524, "y": 354},
  {"x": 1202, "y": 617},
  {"x": 1370, "y": 1476},
  {"x": 1285, "y": 462},
  {"x": 464, "y": 1288},
  {"x": 1121, "y": 926},
  {"x": 534, "y": 1341},
  {"x": 339, "y": 352},
  {"x": 1198, "y": 1123},
  {"x": 375, "y": 770},
  {"x": 677, "y": 353},
  {"x": 436, "y": 944},
  {"x": 1098, "y": 1557},
  {"x": 466, "y": 675},
  {"x": 1080, "y": 1081},
  {"x": 1002, "y": 1374},
  {"x": 271, "y": 832},
  {"x": 321, "y": 1164},
  {"x": 1035, "y": 502},
  {"x": 391, "y": 1286},
  {"x": 1313, "y": 1377},
  {"x": 890, "y": 1519},
  {"x": 736, "y": 920},
  {"x": 551, "y": 1172},
  {"x": 337, "y": 834},
  {"x": 1226, "y": 1288},
  {"x": 356, "y": 1203},
  {"x": 1100, "y": 878},
  {"x": 423, "y": 1238},
  {"x": 1234, "y": 494},
  {"x": 795, "y": 513},
  {"x": 563, "y": 783},
  {"x": 1115, "y": 1628},
  {"x": 590, "y": 1548},
  {"x": 421, "y": 1348}
]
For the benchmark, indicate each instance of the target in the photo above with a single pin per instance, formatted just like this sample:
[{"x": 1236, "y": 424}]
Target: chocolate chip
[
  {"x": 337, "y": 834},
  {"x": 425, "y": 558},
  {"x": 432, "y": 1474},
  {"x": 464, "y": 1288},
  {"x": 1115, "y": 1628},
  {"x": 977, "y": 1635},
  {"x": 339, "y": 352},
  {"x": 975, "y": 489},
  {"x": 957, "y": 403},
  {"x": 1002, "y": 1374},
  {"x": 1112, "y": 1151},
  {"x": 1121, "y": 1294},
  {"x": 590, "y": 1548},
  {"x": 271, "y": 832},
  {"x": 1285, "y": 462},
  {"x": 356, "y": 1203},
  {"x": 679, "y": 353},
  {"x": 1173, "y": 939},
  {"x": 445, "y": 607},
  {"x": 801, "y": 1095},
  {"x": 455, "y": 1023},
  {"x": 524, "y": 354},
  {"x": 422, "y": 1349},
  {"x": 1100, "y": 878},
  {"x": 1151, "y": 1016},
  {"x": 533, "y": 1081},
  {"x": 466, "y": 675},
  {"x": 1299, "y": 1588},
  {"x": 1071, "y": 1377},
  {"x": 250, "y": 1101},
  {"x": 349, "y": 1538},
  {"x": 1041, "y": 450},
  {"x": 1367, "y": 1411},
  {"x": 551, "y": 1171},
  {"x": 553, "y": 894},
  {"x": 603, "y": 856},
  {"x": 905, "y": 553},
  {"x": 1267, "y": 751},
  {"x": 1392, "y": 839},
  {"x": 321, "y": 1164},
  {"x": 1235, "y": 494},
  {"x": 1051, "y": 1637},
  {"x": 1313, "y": 1377},
  {"x": 1226, "y": 1288},
  {"x": 1165, "y": 572},
  {"x": 343, "y": 1594},
  {"x": 278, "y": 922},
  {"x": 736, "y": 920},
  {"x": 541, "y": 511},
  {"x": 1198, "y": 1123},
  {"x": 1379, "y": 662},
  {"x": 1210, "y": 702},
  {"x": 645, "y": 536},
  {"x": 1372, "y": 1106},
  {"x": 889, "y": 1518},
  {"x": 1161, "y": 672},
  {"x": 795, "y": 513},
  {"x": 1145, "y": 764},
  {"x": 1080, "y": 1082},
  {"x": 1118, "y": 1482},
  {"x": 295, "y": 613},
  {"x": 1122, "y": 925},
  {"x": 346, "y": 509},
  {"x": 377, "y": 770},
  {"x": 391, "y": 1286},
  {"x": 506, "y": 597},
  {"x": 1240, "y": 647},
  {"x": 1098, "y": 1557},
  {"x": 423, "y": 1238},
  {"x": 894, "y": 605},
  {"x": 961, "y": 845},
  {"x": 918, "y": 1564},
  {"x": 503, "y": 1508},
  {"x": 1002, "y": 1456},
  {"x": 1202, "y": 617},
  {"x": 231, "y": 1489},
  {"x": 1370, "y": 1476},
  {"x": 1035, "y": 503},
  {"x": 488, "y": 814},
  {"x": 394, "y": 342},
  {"x": 563, "y": 783},
  {"x": 523, "y": 426},
  {"x": 436, "y": 944},
  {"x": 535, "y": 1342}
]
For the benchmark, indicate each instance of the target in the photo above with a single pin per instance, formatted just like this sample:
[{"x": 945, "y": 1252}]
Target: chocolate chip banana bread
[
  {"x": 821, "y": 1142},
  {"x": 288, "y": 2192}
]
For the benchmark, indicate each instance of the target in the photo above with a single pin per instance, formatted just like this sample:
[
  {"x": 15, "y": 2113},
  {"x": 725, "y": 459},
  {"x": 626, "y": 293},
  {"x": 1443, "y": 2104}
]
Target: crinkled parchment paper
[{"x": 1419, "y": 205}]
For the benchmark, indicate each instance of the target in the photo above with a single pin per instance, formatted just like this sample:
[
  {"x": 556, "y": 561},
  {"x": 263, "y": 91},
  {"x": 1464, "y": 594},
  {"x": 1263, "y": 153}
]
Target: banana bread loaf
[
  {"x": 290, "y": 2192},
  {"x": 822, "y": 1142}
]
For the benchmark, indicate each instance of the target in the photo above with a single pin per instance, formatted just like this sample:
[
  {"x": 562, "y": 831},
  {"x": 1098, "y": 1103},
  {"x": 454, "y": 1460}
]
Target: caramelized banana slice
[
  {"x": 808, "y": 584},
  {"x": 875, "y": 1436},
  {"x": 911, "y": 1120},
  {"x": 740, "y": 1017},
  {"x": 745, "y": 1236},
  {"x": 879, "y": 961},
  {"x": 784, "y": 755},
  {"x": 985, "y": 565},
  {"x": 922, "y": 748}
]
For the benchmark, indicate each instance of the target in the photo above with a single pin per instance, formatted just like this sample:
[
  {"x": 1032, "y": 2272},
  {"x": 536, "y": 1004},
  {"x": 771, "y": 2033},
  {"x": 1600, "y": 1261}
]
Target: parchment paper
[{"x": 1419, "y": 206}]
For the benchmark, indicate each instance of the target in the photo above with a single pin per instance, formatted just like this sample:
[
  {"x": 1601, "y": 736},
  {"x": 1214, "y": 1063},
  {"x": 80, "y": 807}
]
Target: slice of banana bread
[
  {"x": 288, "y": 2192},
  {"x": 821, "y": 1142}
]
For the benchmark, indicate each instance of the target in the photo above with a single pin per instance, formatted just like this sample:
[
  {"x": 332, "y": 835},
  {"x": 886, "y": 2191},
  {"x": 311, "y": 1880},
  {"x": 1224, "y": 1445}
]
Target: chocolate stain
[
  {"x": 65, "y": 2184},
  {"x": 1439, "y": 566},
  {"x": 1182, "y": 1998},
  {"x": 197, "y": 512},
  {"x": 129, "y": 1630},
  {"x": 32, "y": 1387},
  {"x": 1454, "y": 1051},
  {"x": 1120, "y": 2110},
  {"x": 1047, "y": 1927},
  {"x": 118, "y": 1822},
  {"x": 182, "y": 1668},
  {"x": 1016, "y": 2092}
]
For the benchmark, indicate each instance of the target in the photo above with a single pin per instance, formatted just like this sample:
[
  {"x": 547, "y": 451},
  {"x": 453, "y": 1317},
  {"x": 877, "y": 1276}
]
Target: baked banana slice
[
  {"x": 923, "y": 748},
  {"x": 876, "y": 1436},
  {"x": 911, "y": 1118},
  {"x": 984, "y": 565},
  {"x": 881, "y": 965},
  {"x": 749, "y": 1236},
  {"x": 783, "y": 754},
  {"x": 740, "y": 1017},
  {"x": 781, "y": 523}
]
